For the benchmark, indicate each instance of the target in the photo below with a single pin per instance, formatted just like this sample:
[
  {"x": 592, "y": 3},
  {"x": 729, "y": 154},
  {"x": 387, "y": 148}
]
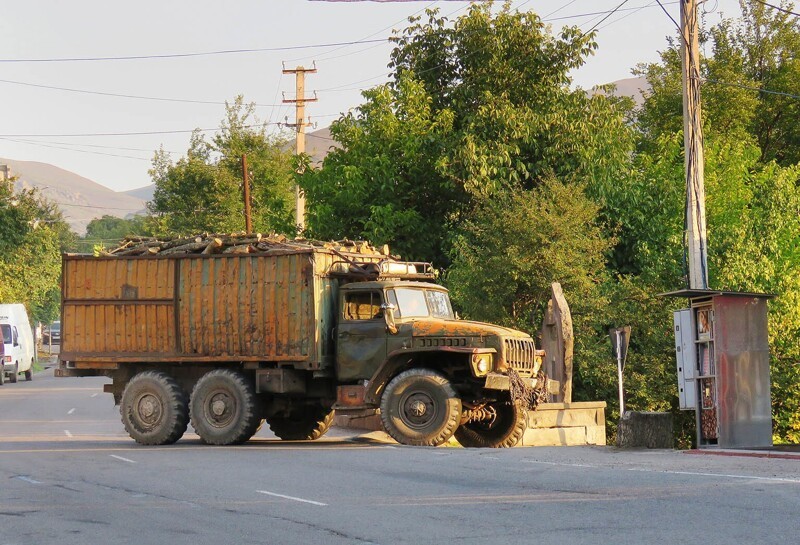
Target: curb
[{"x": 748, "y": 454}]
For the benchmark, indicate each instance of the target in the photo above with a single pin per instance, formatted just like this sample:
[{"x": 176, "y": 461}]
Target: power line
[
  {"x": 612, "y": 12},
  {"x": 362, "y": 40},
  {"x": 669, "y": 15},
  {"x": 75, "y": 150},
  {"x": 631, "y": 12},
  {"x": 74, "y": 144},
  {"x": 187, "y": 55},
  {"x": 132, "y": 208},
  {"x": 139, "y": 133},
  {"x": 784, "y": 10},
  {"x": 758, "y": 89},
  {"x": 547, "y": 19},
  {"x": 119, "y": 95}
]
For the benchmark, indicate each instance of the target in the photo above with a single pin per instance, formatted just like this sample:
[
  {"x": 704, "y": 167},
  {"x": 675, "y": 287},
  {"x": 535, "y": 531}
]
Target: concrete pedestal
[{"x": 566, "y": 424}]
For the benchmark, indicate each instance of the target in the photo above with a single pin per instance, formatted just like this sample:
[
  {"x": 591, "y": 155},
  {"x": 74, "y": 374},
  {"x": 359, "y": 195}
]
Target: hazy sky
[{"x": 39, "y": 123}]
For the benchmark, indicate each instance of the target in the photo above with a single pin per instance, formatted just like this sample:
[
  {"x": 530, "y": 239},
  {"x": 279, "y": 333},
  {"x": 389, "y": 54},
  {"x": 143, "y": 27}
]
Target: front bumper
[{"x": 499, "y": 381}]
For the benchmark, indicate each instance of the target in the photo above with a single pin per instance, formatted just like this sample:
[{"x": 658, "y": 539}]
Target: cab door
[{"x": 360, "y": 335}]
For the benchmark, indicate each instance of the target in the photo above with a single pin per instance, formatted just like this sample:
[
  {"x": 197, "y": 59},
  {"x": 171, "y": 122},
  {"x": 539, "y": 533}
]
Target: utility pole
[
  {"x": 299, "y": 125},
  {"x": 693, "y": 148},
  {"x": 248, "y": 222}
]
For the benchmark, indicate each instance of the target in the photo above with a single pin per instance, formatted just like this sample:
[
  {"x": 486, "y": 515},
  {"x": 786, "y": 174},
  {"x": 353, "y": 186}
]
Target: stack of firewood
[{"x": 236, "y": 243}]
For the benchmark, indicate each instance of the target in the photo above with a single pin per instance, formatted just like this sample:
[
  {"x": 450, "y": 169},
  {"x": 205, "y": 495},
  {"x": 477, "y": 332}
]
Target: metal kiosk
[{"x": 722, "y": 351}]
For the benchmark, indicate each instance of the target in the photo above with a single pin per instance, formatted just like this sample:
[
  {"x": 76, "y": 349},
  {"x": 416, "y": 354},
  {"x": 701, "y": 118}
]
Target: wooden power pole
[
  {"x": 299, "y": 125},
  {"x": 693, "y": 148},
  {"x": 248, "y": 222}
]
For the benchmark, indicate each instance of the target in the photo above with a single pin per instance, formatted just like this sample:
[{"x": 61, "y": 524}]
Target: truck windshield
[
  {"x": 418, "y": 303},
  {"x": 6, "y": 333}
]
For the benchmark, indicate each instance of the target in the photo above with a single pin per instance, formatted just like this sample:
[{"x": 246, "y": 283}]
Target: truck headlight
[{"x": 481, "y": 364}]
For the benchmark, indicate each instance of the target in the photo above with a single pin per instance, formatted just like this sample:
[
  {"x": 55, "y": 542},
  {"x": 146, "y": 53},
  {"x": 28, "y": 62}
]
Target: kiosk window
[{"x": 363, "y": 306}]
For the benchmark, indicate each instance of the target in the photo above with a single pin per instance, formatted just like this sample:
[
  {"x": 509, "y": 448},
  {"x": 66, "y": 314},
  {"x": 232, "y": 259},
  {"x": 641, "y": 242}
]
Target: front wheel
[
  {"x": 504, "y": 426},
  {"x": 13, "y": 377},
  {"x": 420, "y": 407},
  {"x": 224, "y": 408},
  {"x": 154, "y": 409}
]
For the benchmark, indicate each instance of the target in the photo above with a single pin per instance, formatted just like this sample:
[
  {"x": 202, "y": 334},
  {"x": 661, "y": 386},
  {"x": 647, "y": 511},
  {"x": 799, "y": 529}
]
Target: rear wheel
[
  {"x": 2, "y": 375},
  {"x": 305, "y": 423},
  {"x": 420, "y": 407},
  {"x": 154, "y": 409},
  {"x": 13, "y": 376},
  {"x": 224, "y": 409},
  {"x": 504, "y": 427}
]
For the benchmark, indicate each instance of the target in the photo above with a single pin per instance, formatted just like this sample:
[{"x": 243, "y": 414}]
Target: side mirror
[{"x": 388, "y": 316}]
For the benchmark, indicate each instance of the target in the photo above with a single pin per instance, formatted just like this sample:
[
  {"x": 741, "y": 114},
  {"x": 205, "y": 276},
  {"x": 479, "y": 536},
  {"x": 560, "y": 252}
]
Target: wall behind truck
[{"x": 196, "y": 308}]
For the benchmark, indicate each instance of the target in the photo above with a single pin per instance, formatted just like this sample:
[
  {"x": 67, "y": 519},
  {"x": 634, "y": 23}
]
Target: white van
[{"x": 18, "y": 340}]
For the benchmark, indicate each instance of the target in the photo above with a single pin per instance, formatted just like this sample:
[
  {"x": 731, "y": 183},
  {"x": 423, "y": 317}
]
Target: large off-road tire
[
  {"x": 420, "y": 407},
  {"x": 304, "y": 424},
  {"x": 154, "y": 409},
  {"x": 13, "y": 377},
  {"x": 224, "y": 408},
  {"x": 504, "y": 430}
]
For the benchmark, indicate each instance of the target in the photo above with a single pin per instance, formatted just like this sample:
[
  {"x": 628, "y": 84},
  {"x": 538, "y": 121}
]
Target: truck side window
[{"x": 365, "y": 305}]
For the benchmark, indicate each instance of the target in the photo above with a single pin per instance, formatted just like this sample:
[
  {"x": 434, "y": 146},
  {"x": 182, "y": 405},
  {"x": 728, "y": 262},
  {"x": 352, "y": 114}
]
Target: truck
[
  {"x": 289, "y": 332},
  {"x": 20, "y": 350}
]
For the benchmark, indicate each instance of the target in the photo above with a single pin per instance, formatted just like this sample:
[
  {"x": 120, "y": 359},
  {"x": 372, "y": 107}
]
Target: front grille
[{"x": 520, "y": 354}]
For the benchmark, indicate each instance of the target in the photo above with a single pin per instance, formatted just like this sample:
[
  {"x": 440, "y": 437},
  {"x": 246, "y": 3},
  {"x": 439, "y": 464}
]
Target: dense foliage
[
  {"x": 33, "y": 234},
  {"x": 474, "y": 107},
  {"x": 203, "y": 190}
]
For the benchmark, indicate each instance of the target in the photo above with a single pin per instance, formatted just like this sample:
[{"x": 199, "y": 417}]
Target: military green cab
[{"x": 431, "y": 375}]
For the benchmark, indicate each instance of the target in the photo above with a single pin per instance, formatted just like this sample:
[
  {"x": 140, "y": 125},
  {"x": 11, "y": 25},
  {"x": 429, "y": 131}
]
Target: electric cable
[
  {"x": 187, "y": 55},
  {"x": 120, "y": 95},
  {"x": 779, "y": 8}
]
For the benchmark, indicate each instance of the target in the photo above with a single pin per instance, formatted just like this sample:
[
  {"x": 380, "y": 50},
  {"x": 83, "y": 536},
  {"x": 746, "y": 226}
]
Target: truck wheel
[
  {"x": 504, "y": 430},
  {"x": 2, "y": 375},
  {"x": 307, "y": 424},
  {"x": 420, "y": 407},
  {"x": 29, "y": 373},
  {"x": 13, "y": 376},
  {"x": 154, "y": 409},
  {"x": 223, "y": 408}
]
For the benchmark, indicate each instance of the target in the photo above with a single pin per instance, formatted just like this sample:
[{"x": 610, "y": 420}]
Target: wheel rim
[
  {"x": 149, "y": 410},
  {"x": 220, "y": 408},
  {"x": 418, "y": 410}
]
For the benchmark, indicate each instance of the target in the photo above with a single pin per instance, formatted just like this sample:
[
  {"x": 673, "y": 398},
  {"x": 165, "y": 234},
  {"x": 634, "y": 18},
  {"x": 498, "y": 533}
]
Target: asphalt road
[{"x": 70, "y": 475}]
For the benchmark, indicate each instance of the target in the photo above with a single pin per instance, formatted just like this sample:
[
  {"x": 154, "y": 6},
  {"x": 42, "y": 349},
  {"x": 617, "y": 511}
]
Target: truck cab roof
[{"x": 383, "y": 284}]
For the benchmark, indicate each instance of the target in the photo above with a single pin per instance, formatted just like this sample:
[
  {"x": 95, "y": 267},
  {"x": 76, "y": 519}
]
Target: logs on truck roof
[{"x": 235, "y": 243}]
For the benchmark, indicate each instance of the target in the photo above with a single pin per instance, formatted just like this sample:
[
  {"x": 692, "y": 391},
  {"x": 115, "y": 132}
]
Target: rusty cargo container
[{"x": 190, "y": 308}]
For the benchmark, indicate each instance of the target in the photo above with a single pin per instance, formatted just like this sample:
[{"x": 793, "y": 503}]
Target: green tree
[
  {"x": 108, "y": 230},
  {"x": 474, "y": 106},
  {"x": 518, "y": 243},
  {"x": 33, "y": 234},
  {"x": 203, "y": 190}
]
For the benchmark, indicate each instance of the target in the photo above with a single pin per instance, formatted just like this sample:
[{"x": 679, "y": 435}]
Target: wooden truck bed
[{"x": 194, "y": 308}]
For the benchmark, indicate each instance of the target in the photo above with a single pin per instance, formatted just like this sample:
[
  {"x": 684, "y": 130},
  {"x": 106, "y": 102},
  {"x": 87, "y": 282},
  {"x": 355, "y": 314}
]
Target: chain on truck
[{"x": 287, "y": 332}]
